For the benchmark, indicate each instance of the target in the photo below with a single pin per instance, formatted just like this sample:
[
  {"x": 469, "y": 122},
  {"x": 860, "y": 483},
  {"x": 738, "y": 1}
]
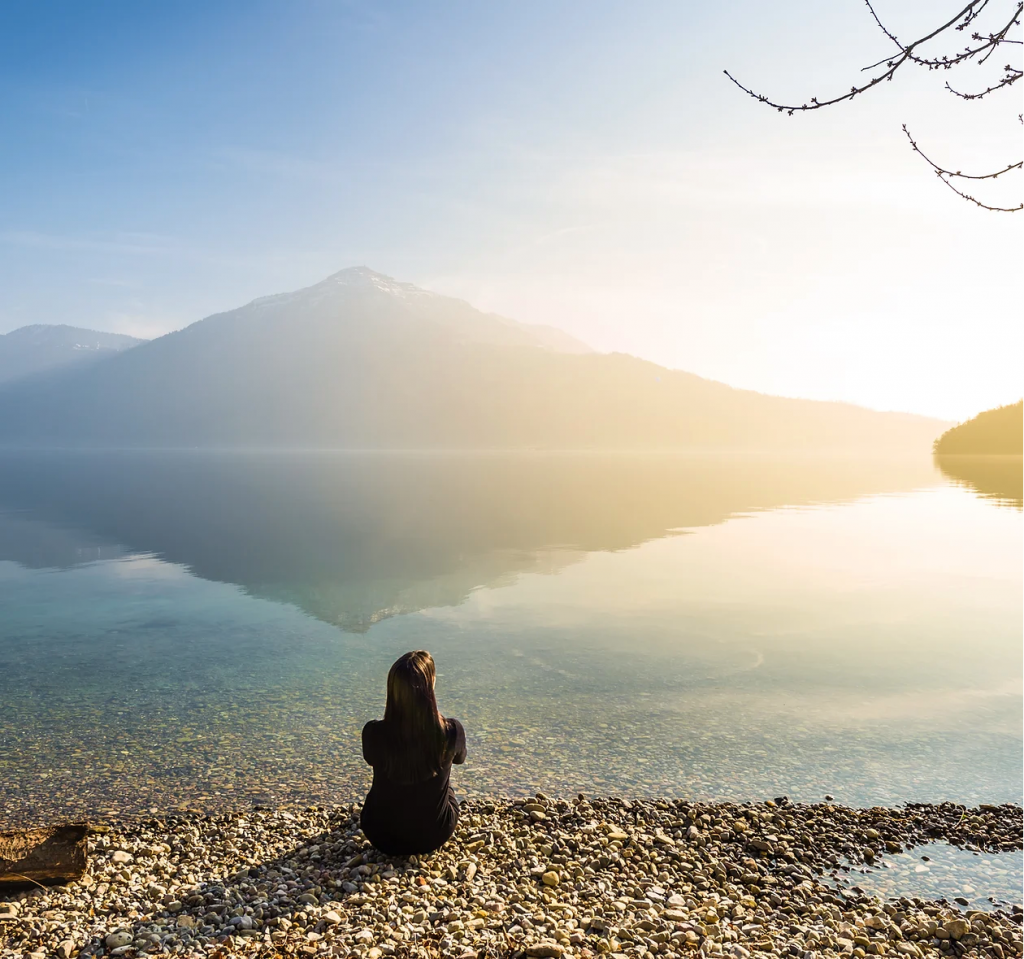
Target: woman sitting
[{"x": 411, "y": 808}]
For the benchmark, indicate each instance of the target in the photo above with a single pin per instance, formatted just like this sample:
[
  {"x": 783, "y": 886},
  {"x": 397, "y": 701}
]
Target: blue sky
[{"x": 582, "y": 164}]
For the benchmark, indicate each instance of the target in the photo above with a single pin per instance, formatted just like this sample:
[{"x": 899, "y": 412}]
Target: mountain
[
  {"x": 994, "y": 432},
  {"x": 42, "y": 348},
  {"x": 363, "y": 361},
  {"x": 358, "y": 292}
]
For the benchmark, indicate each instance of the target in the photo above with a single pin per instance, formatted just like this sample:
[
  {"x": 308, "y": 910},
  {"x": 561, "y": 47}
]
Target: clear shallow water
[
  {"x": 971, "y": 880},
  {"x": 202, "y": 629}
]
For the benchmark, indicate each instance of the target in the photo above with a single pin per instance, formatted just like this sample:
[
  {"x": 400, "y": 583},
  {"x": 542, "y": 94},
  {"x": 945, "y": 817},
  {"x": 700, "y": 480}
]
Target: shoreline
[{"x": 538, "y": 878}]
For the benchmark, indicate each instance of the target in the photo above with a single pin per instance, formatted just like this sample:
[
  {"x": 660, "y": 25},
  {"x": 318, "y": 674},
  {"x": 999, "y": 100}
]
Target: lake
[{"x": 202, "y": 629}]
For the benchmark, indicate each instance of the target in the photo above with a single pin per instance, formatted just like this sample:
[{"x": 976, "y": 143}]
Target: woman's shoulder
[
  {"x": 456, "y": 733},
  {"x": 456, "y": 741},
  {"x": 372, "y": 732}
]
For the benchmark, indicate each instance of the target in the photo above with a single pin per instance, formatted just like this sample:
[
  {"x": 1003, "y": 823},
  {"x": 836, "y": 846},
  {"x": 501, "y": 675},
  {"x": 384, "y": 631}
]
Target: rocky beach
[{"x": 537, "y": 877}]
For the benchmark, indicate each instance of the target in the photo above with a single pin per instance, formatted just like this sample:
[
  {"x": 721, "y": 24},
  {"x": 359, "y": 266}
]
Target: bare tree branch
[
  {"x": 982, "y": 46},
  {"x": 961, "y": 20},
  {"x": 1012, "y": 76},
  {"x": 946, "y": 176}
]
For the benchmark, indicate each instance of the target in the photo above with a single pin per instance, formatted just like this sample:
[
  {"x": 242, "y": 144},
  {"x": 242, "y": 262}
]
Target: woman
[{"x": 411, "y": 809}]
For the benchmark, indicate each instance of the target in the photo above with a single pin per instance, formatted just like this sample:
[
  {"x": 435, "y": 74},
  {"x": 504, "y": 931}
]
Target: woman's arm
[
  {"x": 460, "y": 743},
  {"x": 368, "y": 743}
]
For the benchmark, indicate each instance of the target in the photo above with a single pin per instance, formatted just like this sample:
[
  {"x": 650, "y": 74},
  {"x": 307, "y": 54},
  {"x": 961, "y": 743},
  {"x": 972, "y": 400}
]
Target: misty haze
[{"x": 538, "y": 482}]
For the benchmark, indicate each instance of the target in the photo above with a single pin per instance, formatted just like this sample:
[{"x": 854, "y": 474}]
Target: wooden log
[{"x": 46, "y": 856}]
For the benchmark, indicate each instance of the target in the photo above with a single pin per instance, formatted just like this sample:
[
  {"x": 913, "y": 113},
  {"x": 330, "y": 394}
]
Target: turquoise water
[
  {"x": 202, "y": 629},
  {"x": 937, "y": 870}
]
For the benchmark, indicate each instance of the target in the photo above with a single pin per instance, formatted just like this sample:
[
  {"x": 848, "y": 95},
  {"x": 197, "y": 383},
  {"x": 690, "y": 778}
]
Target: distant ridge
[
  {"x": 363, "y": 361},
  {"x": 993, "y": 432},
  {"x": 42, "y": 348}
]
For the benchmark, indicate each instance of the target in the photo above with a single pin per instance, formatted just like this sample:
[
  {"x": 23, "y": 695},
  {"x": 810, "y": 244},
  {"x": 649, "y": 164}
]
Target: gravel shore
[{"x": 535, "y": 878}]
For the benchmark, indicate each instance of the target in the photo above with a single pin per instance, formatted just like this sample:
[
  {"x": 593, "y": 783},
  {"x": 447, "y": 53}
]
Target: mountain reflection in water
[
  {"x": 354, "y": 538},
  {"x": 618, "y": 625}
]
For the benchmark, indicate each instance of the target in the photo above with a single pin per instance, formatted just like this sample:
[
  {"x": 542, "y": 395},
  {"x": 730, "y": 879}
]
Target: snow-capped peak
[
  {"x": 363, "y": 276},
  {"x": 352, "y": 278}
]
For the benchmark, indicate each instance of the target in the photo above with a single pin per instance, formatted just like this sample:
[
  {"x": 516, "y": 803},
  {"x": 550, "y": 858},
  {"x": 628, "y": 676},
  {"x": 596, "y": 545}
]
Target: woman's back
[{"x": 411, "y": 808}]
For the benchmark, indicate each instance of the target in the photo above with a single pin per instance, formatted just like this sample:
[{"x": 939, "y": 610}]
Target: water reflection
[
  {"x": 718, "y": 626},
  {"x": 997, "y": 478},
  {"x": 353, "y": 539}
]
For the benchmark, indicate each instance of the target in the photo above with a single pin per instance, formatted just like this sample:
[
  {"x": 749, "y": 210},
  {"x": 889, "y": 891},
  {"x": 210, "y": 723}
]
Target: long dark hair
[{"x": 416, "y": 732}]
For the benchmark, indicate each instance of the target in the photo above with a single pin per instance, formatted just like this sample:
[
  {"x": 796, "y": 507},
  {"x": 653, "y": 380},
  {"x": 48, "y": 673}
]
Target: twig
[
  {"x": 984, "y": 45},
  {"x": 946, "y": 175},
  {"x": 18, "y": 875}
]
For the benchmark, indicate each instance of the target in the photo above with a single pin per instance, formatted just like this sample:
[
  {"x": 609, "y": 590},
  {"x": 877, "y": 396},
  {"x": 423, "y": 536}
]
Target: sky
[{"x": 582, "y": 164}]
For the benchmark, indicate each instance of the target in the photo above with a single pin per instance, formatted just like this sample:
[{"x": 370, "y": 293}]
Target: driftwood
[{"x": 46, "y": 856}]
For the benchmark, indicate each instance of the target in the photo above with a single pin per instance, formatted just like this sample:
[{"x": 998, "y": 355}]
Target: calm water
[
  {"x": 937, "y": 870},
  {"x": 199, "y": 629}
]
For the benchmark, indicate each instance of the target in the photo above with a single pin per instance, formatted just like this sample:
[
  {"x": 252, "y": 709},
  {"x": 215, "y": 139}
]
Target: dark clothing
[{"x": 413, "y": 818}]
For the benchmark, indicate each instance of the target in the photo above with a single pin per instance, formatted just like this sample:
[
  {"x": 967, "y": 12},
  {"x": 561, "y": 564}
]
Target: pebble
[
  {"x": 591, "y": 879},
  {"x": 544, "y": 950}
]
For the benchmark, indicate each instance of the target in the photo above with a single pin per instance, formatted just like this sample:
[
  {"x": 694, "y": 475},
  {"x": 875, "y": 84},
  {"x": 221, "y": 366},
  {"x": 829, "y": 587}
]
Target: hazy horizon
[
  {"x": 145, "y": 339},
  {"x": 576, "y": 167}
]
